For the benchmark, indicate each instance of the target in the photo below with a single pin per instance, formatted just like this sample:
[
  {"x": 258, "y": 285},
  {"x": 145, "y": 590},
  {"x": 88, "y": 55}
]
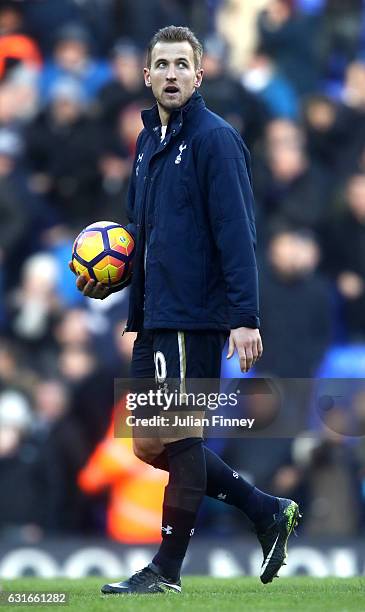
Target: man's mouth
[{"x": 171, "y": 89}]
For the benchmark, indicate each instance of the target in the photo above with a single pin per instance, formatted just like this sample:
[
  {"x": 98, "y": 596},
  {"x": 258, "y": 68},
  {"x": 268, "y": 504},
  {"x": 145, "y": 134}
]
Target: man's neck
[{"x": 164, "y": 114}]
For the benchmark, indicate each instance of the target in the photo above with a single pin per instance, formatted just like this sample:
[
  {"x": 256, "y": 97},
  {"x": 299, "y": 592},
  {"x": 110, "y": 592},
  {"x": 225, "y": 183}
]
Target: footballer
[{"x": 194, "y": 285}]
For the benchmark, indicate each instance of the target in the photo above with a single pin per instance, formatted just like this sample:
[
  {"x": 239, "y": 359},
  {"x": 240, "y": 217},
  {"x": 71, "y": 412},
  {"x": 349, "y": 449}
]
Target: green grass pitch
[{"x": 202, "y": 594}]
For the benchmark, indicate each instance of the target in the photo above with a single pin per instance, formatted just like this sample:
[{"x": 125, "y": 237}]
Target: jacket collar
[{"x": 151, "y": 118}]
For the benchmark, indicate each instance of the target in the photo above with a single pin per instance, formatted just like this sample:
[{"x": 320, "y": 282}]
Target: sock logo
[
  {"x": 167, "y": 530},
  {"x": 222, "y": 496},
  {"x": 235, "y": 475},
  {"x": 192, "y": 531}
]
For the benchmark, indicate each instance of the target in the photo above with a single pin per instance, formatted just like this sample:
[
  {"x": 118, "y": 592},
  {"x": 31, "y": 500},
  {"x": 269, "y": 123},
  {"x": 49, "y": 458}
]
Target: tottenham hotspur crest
[
  {"x": 139, "y": 159},
  {"x": 182, "y": 148}
]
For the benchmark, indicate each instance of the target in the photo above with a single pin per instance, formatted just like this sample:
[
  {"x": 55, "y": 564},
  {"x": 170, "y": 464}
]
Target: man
[{"x": 194, "y": 281}]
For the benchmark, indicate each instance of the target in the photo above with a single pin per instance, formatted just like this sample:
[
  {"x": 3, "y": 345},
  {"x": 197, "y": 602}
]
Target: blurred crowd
[{"x": 71, "y": 92}]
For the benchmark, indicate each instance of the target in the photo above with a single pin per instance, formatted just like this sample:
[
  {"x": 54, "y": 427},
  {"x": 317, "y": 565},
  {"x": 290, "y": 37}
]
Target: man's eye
[
  {"x": 161, "y": 65},
  {"x": 182, "y": 65}
]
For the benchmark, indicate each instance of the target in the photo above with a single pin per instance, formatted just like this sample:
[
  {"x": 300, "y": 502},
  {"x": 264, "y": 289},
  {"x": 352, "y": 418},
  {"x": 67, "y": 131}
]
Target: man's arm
[{"x": 230, "y": 202}]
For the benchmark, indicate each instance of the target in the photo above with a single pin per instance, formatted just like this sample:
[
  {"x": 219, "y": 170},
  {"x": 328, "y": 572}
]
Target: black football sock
[
  {"x": 227, "y": 485},
  {"x": 183, "y": 496}
]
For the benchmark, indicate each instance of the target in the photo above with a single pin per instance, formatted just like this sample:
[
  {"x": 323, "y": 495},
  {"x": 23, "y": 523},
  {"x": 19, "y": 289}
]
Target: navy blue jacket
[{"x": 190, "y": 201}]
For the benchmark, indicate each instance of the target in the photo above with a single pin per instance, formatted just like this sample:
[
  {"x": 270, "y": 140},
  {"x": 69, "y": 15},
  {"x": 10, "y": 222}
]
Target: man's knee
[{"x": 147, "y": 449}]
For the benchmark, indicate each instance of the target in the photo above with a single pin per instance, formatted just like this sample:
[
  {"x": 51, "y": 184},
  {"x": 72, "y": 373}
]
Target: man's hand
[
  {"x": 248, "y": 343},
  {"x": 89, "y": 288}
]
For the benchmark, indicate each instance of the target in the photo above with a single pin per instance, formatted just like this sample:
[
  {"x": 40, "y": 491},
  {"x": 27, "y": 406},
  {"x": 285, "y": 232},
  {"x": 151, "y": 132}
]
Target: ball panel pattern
[
  {"x": 120, "y": 240},
  {"x": 89, "y": 245},
  {"x": 109, "y": 270},
  {"x": 104, "y": 251}
]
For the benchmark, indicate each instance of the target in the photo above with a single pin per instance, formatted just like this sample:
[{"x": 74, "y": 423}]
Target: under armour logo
[
  {"x": 235, "y": 475},
  {"x": 182, "y": 148},
  {"x": 222, "y": 496},
  {"x": 167, "y": 530}
]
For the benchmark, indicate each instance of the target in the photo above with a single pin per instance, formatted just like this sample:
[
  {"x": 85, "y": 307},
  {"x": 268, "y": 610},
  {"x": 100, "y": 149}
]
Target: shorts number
[{"x": 160, "y": 367}]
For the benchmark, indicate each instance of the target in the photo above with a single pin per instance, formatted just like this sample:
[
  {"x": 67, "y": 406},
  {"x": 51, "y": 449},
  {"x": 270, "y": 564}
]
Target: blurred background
[{"x": 289, "y": 75}]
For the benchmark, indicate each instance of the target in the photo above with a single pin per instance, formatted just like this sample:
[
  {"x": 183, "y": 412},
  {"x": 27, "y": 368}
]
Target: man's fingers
[
  {"x": 255, "y": 353},
  {"x": 101, "y": 291},
  {"x": 260, "y": 348},
  {"x": 97, "y": 291},
  {"x": 249, "y": 358},
  {"x": 243, "y": 361},
  {"x": 89, "y": 288},
  {"x": 230, "y": 348},
  {"x": 248, "y": 344},
  {"x": 81, "y": 282}
]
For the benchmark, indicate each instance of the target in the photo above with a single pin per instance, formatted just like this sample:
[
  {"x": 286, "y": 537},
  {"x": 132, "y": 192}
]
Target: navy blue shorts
[{"x": 172, "y": 354}]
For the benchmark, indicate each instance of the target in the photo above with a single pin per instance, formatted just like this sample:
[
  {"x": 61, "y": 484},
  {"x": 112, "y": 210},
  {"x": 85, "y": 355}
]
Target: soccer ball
[{"x": 104, "y": 252}]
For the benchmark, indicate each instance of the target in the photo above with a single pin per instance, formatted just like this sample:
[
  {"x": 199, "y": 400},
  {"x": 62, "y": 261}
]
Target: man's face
[{"x": 172, "y": 74}]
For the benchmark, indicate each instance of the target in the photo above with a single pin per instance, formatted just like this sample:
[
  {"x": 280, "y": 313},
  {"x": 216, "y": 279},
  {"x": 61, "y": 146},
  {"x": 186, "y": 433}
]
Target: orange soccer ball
[{"x": 104, "y": 252}]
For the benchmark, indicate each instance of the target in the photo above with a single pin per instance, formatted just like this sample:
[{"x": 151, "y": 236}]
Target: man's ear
[
  {"x": 147, "y": 77},
  {"x": 198, "y": 78}
]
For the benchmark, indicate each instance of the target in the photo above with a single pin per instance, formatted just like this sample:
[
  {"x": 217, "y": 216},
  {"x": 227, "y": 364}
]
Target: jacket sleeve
[
  {"x": 131, "y": 227},
  {"x": 224, "y": 168}
]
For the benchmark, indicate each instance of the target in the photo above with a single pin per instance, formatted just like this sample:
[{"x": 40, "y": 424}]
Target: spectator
[
  {"x": 295, "y": 306},
  {"x": 351, "y": 117},
  {"x": 59, "y": 441},
  {"x": 332, "y": 467},
  {"x": 272, "y": 88},
  {"x": 289, "y": 38},
  {"x": 319, "y": 468},
  {"x": 126, "y": 86},
  {"x": 21, "y": 513},
  {"x": 288, "y": 185},
  {"x": 15, "y": 46},
  {"x": 135, "y": 489},
  {"x": 346, "y": 256},
  {"x": 44, "y": 18},
  {"x": 340, "y": 40},
  {"x": 22, "y": 87},
  {"x": 15, "y": 373},
  {"x": 91, "y": 387},
  {"x": 58, "y": 242},
  {"x": 35, "y": 309},
  {"x": 225, "y": 96},
  {"x": 26, "y": 214},
  {"x": 129, "y": 125},
  {"x": 114, "y": 168},
  {"x": 63, "y": 146},
  {"x": 21, "y": 210},
  {"x": 12, "y": 209},
  {"x": 146, "y": 18},
  {"x": 72, "y": 58},
  {"x": 97, "y": 16},
  {"x": 325, "y": 137}
]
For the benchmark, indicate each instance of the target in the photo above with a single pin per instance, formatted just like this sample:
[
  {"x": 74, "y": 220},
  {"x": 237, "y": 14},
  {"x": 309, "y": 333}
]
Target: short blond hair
[{"x": 177, "y": 34}]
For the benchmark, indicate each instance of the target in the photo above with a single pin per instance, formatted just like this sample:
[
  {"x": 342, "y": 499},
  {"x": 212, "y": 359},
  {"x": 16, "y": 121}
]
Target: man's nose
[{"x": 171, "y": 73}]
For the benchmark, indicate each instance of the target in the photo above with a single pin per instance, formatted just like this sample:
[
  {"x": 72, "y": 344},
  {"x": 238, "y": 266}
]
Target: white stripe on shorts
[{"x": 182, "y": 359}]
